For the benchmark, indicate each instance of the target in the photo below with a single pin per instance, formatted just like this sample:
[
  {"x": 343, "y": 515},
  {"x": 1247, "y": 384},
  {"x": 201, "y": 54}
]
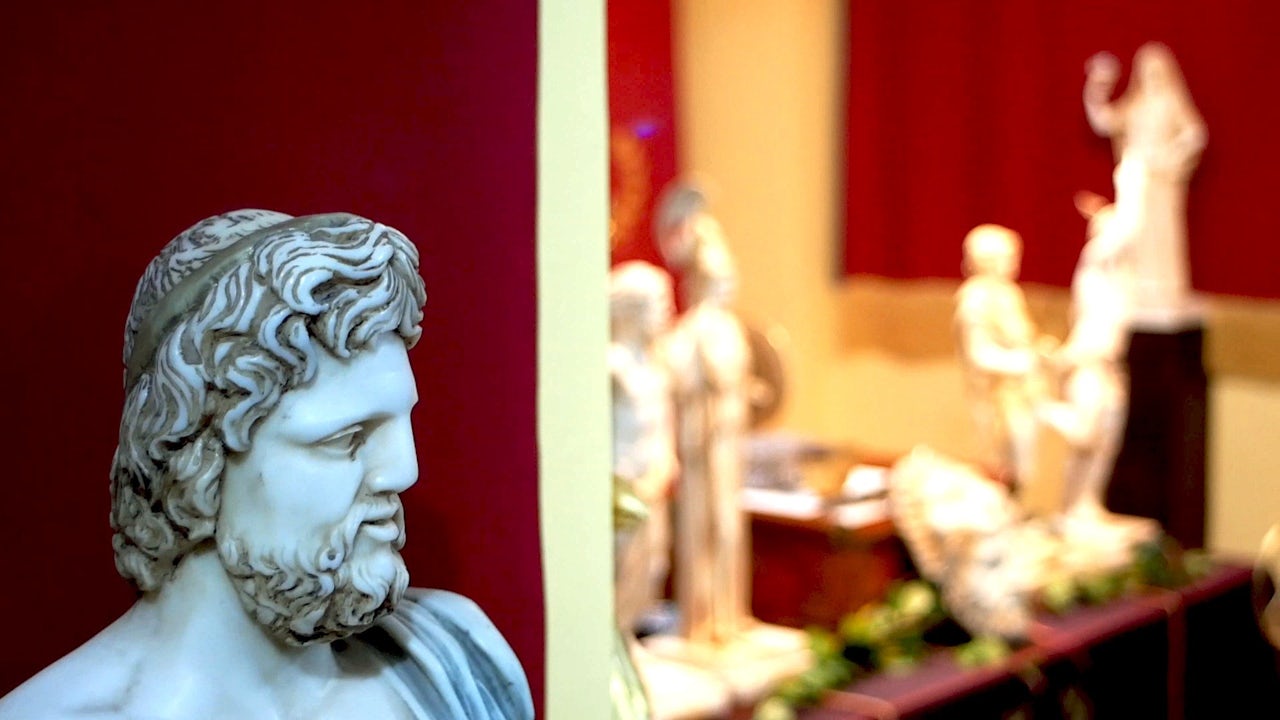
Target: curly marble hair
[{"x": 228, "y": 317}]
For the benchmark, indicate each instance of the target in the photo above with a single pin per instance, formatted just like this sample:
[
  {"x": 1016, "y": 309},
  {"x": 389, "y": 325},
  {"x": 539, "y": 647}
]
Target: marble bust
[
  {"x": 264, "y": 443},
  {"x": 1157, "y": 136}
]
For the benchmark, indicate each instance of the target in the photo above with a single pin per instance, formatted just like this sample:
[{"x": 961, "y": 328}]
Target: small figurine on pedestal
[
  {"x": 1000, "y": 350},
  {"x": 1158, "y": 136},
  {"x": 710, "y": 361},
  {"x": 644, "y": 466},
  {"x": 1092, "y": 413},
  {"x": 264, "y": 445}
]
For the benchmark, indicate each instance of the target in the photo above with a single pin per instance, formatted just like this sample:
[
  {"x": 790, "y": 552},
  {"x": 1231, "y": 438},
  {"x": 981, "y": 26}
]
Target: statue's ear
[{"x": 1089, "y": 203}]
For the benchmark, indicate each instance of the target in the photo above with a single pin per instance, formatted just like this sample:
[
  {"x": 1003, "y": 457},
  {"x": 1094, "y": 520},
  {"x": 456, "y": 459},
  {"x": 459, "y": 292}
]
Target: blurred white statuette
[
  {"x": 1158, "y": 135},
  {"x": 710, "y": 360},
  {"x": 1000, "y": 350},
  {"x": 644, "y": 453},
  {"x": 644, "y": 461},
  {"x": 1092, "y": 413}
]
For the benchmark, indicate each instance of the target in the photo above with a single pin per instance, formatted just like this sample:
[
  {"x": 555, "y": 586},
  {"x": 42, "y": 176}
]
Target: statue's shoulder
[
  {"x": 88, "y": 682},
  {"x": 969, "y": 295},
  {"x": 459, "y": 615},
  {"x": 449, "y": 659}
]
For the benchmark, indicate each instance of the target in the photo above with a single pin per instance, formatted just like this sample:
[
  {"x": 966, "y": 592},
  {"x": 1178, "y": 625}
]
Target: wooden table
[{"x": 813, "y": 572}]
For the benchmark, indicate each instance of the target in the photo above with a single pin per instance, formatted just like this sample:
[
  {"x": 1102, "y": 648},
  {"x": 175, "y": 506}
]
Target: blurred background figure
[
  {"x": 999, "y": 352},
  {"x": 1157, "y": 135}
]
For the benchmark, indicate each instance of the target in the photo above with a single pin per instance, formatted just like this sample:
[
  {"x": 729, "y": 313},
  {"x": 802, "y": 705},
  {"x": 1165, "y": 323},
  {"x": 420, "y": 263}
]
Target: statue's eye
[{"x": 344, "y": 442}]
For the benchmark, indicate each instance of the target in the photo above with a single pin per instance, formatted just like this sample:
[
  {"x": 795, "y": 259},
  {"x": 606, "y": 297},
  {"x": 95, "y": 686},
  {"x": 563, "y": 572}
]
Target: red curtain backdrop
[
  {"x": 642, "y": 120},
  {"x": 126, "y": 122},
  {"x": 969, "y": 111}
]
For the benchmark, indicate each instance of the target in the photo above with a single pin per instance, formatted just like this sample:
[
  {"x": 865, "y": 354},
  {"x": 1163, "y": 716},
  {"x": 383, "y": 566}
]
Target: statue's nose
[{"x": 392, "y": 458}]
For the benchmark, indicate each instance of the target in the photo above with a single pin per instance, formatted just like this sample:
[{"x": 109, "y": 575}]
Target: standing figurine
[
  {"x": 1092, "y": 415},
  {"x": 1000, "y": 350},
  {"x": 710, "y": 360},
  {"x": 644, "y": 467},
  {"x": 644, "y": 453},
  {"x": 1095, "y": 383},
  {"x": 1157, "y": 135}
]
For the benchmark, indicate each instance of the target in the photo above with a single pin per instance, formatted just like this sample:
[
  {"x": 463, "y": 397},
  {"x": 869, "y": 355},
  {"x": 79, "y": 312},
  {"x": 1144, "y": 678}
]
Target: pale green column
[{"x": 573, "y": 391}]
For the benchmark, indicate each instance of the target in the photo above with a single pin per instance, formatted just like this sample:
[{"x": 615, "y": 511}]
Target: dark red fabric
[
  {"x": 969, "y": 111},
  {"x": 642, "y": 107},
  {"x": 126, "y": 122}
]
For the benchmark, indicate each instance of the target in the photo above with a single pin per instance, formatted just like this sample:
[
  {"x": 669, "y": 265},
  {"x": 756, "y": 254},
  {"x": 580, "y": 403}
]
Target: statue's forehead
[{"x": 374, "y": 382}]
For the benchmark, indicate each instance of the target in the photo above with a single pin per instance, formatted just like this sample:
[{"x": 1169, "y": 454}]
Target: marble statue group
[
  {"x": 977, "y": 538},
  {"x": 681, "y": 400}
]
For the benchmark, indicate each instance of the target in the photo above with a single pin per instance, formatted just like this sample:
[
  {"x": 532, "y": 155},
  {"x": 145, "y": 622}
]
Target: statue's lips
[
  {"x": 382, "y": 520},
  {"x": 383, "y": 530}
]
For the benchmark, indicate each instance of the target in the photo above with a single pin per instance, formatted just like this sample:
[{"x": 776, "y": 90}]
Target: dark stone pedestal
[{"x": 1161, "y": 467}]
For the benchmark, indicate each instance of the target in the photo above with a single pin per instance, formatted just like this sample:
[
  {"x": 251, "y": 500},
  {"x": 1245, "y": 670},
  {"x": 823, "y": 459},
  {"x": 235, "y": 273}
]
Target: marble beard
[
  {"x": 264, "y": 443},
  {"x": 1157, "y": 135},
  {"x": 710, "y": 361}
]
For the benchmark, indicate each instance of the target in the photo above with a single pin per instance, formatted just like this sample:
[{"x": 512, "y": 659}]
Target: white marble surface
[{"x": 749, "y": 665}]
